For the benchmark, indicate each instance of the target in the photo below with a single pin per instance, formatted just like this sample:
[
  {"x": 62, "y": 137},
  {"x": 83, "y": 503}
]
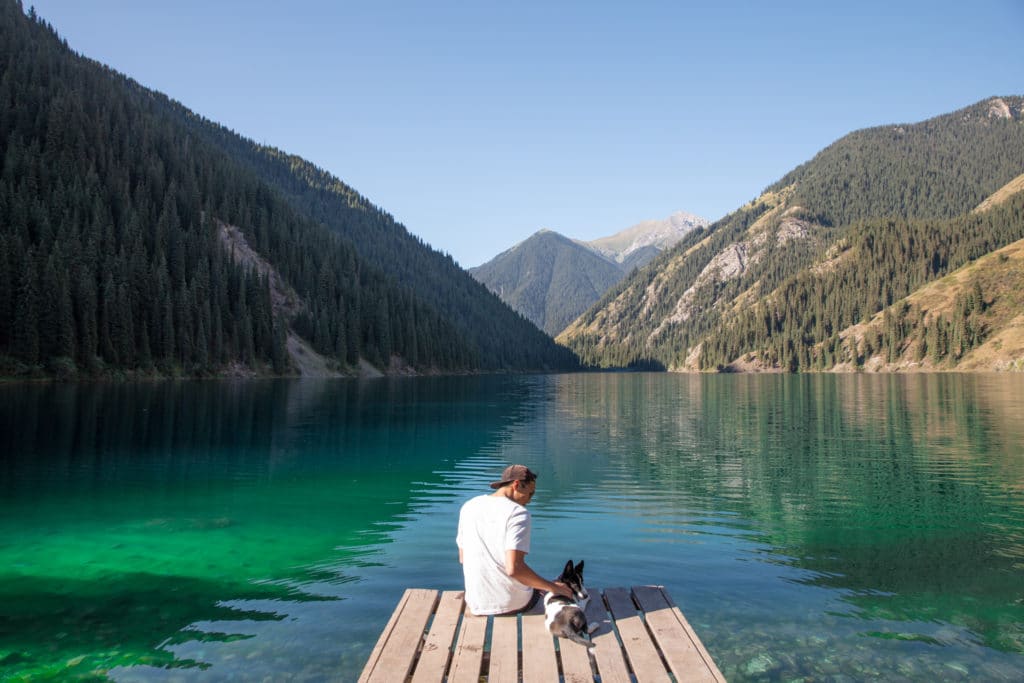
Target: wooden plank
[
  {"x": 611, "y": 663},
  {"x": 576, "y": 667},
  {"x": 622, "y": 642},
  {"x": 708, "y": 659},
  {"x": 382, "y": 640},
  {"x": 504, "y": 666},
  {"x": 539, "y": 663},
  {"x": 437, "y": 648},
  {"x": 468, "y": 657},
  {"x": 401, "y": 637},
  {"x": 676, "y": 643},
  {"x": 643, "y": 655}
]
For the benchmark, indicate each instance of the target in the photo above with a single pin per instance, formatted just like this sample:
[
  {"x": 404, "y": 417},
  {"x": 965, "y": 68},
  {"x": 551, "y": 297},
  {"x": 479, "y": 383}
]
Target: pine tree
[
  {"x": 87, "y": 324},
  {"x": 26, "y": 315},
  {"x": 7, "y": 289},
  {"x": 108, "y": 303}
]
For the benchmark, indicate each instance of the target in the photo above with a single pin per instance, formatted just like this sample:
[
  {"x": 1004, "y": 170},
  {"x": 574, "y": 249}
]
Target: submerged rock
[
  {"x": 761, "y": 664},
  {"x": 960, "y": 668}
]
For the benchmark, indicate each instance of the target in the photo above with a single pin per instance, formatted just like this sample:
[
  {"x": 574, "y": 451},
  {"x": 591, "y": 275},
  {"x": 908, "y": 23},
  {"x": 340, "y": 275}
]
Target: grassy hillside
[
  {"x": 971, "y": 319},
  {"x": 870, "y": 219}
]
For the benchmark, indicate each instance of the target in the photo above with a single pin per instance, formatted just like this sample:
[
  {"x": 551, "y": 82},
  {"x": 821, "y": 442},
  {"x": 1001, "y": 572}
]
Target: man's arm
[{"x": 516, "y": 568}]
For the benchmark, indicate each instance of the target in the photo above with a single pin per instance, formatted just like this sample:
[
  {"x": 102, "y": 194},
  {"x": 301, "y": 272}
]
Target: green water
[{"x": 823, "y": 528}]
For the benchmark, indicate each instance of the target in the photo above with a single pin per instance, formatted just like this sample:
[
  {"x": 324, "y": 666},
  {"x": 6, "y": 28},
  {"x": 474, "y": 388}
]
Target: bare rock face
[
  {"x": 998, "y": 109},
  {"x": 735, "y": 259},
  {"x": 730, "y": 263},
  {"x": 284, "y": 299},
  {"x": 792, "y": 228}
]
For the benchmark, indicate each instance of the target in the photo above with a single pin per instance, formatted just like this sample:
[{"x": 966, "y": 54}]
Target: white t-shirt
[{"x": 488, "y": 526}]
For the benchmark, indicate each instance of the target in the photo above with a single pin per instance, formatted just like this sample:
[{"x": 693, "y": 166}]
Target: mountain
[
  {"x": 638, "y": 245},
  {"x": 551, "y": 279},
  {"x": 782, "y": 282},
  {"x": 138, "y": 238}
]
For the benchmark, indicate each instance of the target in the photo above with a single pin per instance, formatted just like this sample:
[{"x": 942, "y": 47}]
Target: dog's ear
[
  {"x": 579, "y": 568},
  {"x": 568, "y": 569}
]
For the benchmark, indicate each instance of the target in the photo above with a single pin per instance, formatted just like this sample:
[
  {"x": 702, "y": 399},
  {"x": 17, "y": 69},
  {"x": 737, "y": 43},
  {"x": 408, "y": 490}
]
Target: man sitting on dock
[{"x": 493, "y": 540}]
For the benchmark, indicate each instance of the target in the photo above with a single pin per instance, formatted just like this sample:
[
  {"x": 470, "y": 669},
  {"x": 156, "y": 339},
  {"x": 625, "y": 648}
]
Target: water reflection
[
  {"x": 822, "y": 527},
  {"x": 192, "y": 526},
  {"x": 899, "y": 494}
]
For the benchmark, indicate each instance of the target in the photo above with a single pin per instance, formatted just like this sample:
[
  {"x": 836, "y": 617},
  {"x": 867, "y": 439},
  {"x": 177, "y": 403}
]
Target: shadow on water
[
  {"x": 170, "y": 431},
  {"x": 139, "y": 522},
  {"x": 123, "y": 619}
]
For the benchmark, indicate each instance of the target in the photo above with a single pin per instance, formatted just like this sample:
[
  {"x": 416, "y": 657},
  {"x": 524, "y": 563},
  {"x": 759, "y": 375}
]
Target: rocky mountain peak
[{"x": 660, "y": 234}]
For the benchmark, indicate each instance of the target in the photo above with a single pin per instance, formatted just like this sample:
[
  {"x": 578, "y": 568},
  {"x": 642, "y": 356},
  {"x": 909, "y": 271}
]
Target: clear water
[{"x": 810, "y": 527}]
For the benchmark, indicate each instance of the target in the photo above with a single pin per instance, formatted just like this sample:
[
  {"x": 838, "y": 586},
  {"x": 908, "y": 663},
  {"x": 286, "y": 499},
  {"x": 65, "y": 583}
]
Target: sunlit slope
[{"x": 870, "y": 219}]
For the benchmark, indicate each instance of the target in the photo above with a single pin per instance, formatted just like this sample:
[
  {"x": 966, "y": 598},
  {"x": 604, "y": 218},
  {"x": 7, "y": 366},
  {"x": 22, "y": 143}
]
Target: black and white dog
[{"x": 564, "y": 616}]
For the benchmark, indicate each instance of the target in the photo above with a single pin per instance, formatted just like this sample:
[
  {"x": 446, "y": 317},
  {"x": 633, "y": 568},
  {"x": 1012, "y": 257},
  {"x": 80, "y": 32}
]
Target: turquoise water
[{"x": 810, "y": 527}]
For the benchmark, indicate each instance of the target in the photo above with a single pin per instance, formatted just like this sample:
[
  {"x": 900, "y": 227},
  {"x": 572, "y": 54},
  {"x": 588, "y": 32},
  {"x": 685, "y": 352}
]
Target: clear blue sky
[{"x": 477, "y": 123}]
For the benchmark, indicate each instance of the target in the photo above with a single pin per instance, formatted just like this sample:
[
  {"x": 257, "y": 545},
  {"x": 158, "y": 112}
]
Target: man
[{"x": 493, "y": 540}]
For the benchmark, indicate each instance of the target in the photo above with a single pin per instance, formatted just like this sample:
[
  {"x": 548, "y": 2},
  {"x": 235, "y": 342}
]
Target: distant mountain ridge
[
  {"x": 659, "y": 234},
  {"x": 551, "y": 279},
  {"x": 781, "y": 283}
]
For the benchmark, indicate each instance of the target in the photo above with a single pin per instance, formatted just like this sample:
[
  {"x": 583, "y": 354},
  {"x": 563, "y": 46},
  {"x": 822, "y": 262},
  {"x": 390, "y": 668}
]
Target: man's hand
[
  {"x": 516, "y": 567},
  {"x": 562, "y": 589}
]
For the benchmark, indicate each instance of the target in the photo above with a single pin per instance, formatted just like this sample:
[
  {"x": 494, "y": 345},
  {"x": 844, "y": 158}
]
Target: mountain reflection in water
[{"x": 809, "y": 526}]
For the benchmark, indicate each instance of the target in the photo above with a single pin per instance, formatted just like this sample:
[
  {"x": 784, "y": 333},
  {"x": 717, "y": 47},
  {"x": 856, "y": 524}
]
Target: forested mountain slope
[
  {"x": 549, "y": 278},
  {"x": 871, "y": 219},
  {"x": 501, "y": 337},
  {"x": 115, "y": 203},
  {"x": 972, "y": 319}
]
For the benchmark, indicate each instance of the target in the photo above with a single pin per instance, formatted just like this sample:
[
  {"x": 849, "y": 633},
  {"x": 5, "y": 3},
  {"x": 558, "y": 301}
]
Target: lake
[{"x": 810, "y": 526}]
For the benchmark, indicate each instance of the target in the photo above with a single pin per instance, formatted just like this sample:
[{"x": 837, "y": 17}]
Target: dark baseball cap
[{"x": 514, "y": 473}]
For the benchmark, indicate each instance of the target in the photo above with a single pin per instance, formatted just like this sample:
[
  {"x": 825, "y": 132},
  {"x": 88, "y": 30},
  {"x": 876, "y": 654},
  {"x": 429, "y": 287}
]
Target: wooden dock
[{"x": 642, "y": 636}]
